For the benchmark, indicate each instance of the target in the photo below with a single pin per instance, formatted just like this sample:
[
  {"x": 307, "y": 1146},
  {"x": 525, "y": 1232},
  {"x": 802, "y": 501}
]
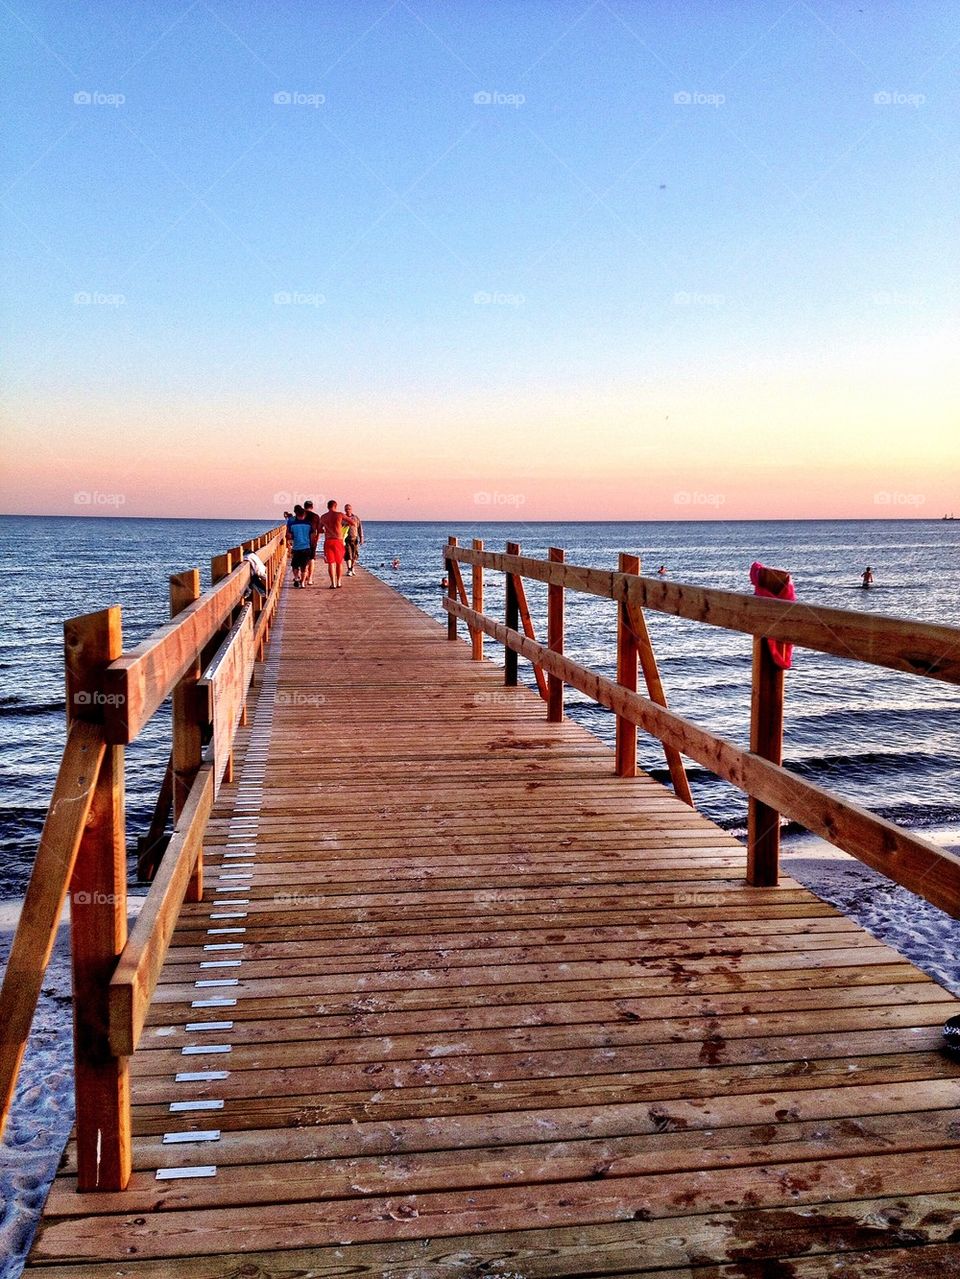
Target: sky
[{"x": 602, "y": 259}]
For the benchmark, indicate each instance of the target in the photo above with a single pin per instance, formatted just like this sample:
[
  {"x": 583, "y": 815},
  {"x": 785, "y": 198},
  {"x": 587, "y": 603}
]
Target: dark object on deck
[{"x": 951, "y": 1038}]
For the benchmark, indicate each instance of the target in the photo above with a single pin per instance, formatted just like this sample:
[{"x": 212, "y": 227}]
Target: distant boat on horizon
[{"x": 948, "y": 517}]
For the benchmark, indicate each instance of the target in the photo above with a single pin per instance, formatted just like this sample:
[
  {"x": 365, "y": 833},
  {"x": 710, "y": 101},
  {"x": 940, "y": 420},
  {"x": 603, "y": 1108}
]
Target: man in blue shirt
[{"x": 301, "y": 532}]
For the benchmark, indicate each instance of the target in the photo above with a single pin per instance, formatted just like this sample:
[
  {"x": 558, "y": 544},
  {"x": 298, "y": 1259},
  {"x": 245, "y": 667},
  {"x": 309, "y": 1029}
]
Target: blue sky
[{"x": 657, "y": 197}]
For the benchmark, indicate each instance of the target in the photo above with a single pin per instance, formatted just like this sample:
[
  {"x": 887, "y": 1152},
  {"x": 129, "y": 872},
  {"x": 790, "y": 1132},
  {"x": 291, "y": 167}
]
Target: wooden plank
[
  {"x": 476, "y": 636},
  {"x": 145, "y": 676},
  {"x": 451, "y": 587},
  {"x": 493, "y": 1010},
  {"x": 226, "y": 681},
  {"x": 98, "y": 919},
  {"x": 150, "y": 846},
  {"x": 656, "y": 693},
  {"x": 766, "y": 740},
  {"x": 137, "y": 970},
  {"x": 555, "y": 636},
  {"x": 512, "y": 619},
  {"x": 186, "y": 720},
  {"x": 625, "y": 750},
  {"x": 918, "y": 864},
  {"x": 526, "y": 621},
  {"x": 921, "y": 648},
  {"x": 46, "y": 893}
]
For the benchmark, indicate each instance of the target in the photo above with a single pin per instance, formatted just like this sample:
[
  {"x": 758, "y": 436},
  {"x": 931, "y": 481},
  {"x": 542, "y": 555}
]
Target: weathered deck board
[{"x": 498, "y": 1012}]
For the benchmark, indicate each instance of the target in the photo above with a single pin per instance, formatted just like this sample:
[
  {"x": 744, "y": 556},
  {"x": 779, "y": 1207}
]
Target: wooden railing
[
  {"x": 203, "y": 659},
  {"x": 924, "y": 649}
]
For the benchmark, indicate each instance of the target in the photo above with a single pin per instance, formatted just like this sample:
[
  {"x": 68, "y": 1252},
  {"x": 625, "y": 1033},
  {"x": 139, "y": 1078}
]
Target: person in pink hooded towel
[{"x": 775, "y": 584}]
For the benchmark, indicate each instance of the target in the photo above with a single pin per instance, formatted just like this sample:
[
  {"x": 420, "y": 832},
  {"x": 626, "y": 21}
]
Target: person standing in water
[
  {"x": 352, "y": 539},
  {"x": 866, "y": 578}
]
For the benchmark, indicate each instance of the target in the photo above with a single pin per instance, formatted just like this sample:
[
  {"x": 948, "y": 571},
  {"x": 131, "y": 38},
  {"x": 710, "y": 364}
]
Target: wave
[{"x": 12, "y": 708}]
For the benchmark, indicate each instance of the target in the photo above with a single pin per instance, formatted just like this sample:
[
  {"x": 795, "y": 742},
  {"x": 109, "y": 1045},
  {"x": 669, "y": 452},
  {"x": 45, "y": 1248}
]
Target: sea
[{"x": 884, "y": 739}]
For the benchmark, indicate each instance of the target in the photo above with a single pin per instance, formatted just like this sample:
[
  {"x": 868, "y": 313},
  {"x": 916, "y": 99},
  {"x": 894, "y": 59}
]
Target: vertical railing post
[
  {"x": 627, "y": 657},
  {"x": 766, "y": 740},
  {"x": 187, "y": 754},
  {"x": 98, "y": 921},
  {"x": 477, "y": 585},
  {"x": 221, "y": 566},
  {"x": 451, "y": 591},
  {"x": 555, "y": 621},
  {"x": 512, "y": 619}
]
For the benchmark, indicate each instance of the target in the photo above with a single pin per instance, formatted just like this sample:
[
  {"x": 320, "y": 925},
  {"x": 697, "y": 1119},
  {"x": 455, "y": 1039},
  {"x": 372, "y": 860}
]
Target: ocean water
[{"x": 887, "y": 740}]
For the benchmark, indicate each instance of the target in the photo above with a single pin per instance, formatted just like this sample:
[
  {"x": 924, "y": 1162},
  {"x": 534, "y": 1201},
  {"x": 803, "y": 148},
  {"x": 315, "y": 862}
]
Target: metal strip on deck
[{"x": 500, "y": 1012}]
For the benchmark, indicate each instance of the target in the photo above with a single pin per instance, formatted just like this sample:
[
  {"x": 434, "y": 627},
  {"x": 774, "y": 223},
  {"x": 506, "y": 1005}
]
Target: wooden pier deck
[{"x": 460, "y": 1002}]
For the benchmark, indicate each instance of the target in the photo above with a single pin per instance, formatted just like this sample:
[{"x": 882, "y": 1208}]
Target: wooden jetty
[{"x": 451, "y": 990}]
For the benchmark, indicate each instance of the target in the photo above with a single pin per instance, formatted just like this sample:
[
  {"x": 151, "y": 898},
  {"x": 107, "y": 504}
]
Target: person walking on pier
[
  {"x": 300, "y": 530},
  {"x": 314, "y": 519},
  {"x": 352, "y": 539},
  {"x": 332, "y": 525}
]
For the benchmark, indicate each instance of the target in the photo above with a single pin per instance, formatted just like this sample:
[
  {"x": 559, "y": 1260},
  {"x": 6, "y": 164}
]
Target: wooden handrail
[
  {"x": 110, "y": 696},
  {"x": 135, "y": 977},
  {"x": 914, "y": 862},
  {"x": 137, "y": 683},
  {"x": 921, "y": 648},
  {"x": 43, "y": 905}
]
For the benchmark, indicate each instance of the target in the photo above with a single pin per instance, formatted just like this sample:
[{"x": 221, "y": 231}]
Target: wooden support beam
[
  {"x": 98, "y": 919},
  {"x": 187, "y": 753},
  {"x": 135, "y": 978},
  {"x": 915, "y": 862},
  {"x": 451, "y": 590},
  {"x": 526, "y": 622},
  {"x": 476, "y": 635},
  {"x": 555, "y": 637},
  {"x": 627, "y": 656},
  {"x": 766, "y": 740},
  {"x": 150, "y": 846},
  {"x": 42, "y": 907},
  {"x": 512, "y": 620},
  {"x": 655, "y": 690}
]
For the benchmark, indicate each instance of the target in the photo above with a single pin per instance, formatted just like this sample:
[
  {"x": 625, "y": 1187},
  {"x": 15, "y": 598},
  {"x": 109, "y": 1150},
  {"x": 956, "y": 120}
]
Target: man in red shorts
[{"x": 332, "y": 525}]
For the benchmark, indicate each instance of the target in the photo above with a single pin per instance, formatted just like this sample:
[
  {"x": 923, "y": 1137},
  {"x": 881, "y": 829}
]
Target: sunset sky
[{"x": 592, "y": 260}]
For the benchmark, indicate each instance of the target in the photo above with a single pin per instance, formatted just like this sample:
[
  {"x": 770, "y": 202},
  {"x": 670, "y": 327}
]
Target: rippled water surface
[{"x": 889, "y": 741}]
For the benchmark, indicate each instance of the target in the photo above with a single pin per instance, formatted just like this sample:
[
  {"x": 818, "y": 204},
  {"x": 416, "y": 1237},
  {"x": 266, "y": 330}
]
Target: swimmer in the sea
[{"x": 866, "y": 578}]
